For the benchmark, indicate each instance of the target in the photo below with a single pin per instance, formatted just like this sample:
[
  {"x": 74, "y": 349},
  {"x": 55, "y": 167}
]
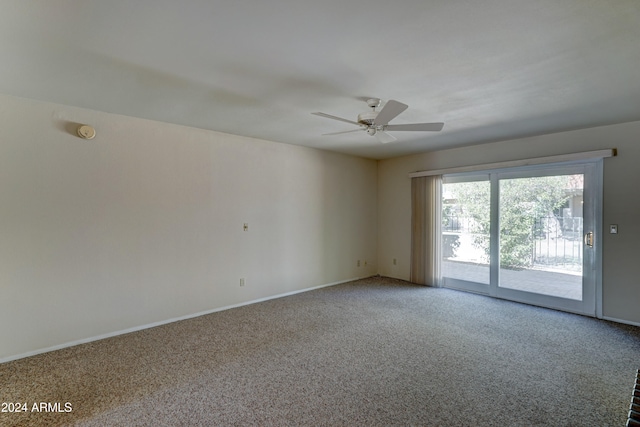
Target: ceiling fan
[{"x": 376, "y": 122}]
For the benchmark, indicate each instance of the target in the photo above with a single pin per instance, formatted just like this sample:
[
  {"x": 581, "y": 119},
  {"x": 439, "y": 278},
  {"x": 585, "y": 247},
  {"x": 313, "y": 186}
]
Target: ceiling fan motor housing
[{"x": 367, "y": 118}]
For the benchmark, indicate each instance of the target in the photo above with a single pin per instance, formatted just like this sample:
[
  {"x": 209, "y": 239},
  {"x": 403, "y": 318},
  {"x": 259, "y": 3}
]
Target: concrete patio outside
[{"x": 553, "y": 283}]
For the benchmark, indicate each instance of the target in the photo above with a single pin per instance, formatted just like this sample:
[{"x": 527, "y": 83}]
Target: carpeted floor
[{"x": 372, "y": 352}]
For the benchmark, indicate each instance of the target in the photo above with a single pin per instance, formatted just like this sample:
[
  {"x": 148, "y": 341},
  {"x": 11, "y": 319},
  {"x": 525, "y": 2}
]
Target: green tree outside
[{"x": 522, "y": 202}]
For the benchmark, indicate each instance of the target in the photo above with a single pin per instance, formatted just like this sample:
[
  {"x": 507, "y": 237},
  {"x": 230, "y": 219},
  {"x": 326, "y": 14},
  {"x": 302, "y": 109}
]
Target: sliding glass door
[
  {"x": 527, "y": 235},
  {"x": 466, "y": 209}
]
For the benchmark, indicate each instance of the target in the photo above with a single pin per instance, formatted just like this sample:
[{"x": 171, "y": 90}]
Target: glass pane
[
  {"x": 541, "y": 235},
  {"x": 465, "y": 231}
]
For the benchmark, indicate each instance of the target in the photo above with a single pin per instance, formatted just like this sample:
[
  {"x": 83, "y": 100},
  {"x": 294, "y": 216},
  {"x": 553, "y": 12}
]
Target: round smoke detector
[{"x": 86, "y": 132}]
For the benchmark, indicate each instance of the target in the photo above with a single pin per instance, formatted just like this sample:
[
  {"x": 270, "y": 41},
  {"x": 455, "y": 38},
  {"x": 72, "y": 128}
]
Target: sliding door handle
[{"x": 588, "y": 239}]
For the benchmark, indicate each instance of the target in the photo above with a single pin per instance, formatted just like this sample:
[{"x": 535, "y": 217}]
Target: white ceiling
[{"x": 491, "y": 70}]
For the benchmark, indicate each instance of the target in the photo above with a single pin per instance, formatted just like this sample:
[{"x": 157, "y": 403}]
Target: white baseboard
[
  {"x": 164, "y": 322},
  {"x": 626, "y": 322}
]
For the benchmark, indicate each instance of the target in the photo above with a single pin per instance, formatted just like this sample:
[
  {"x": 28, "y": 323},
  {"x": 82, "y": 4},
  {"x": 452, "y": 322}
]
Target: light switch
[
  {"x": 613, "y": 228},
  {"x": 246, "y": 227}
]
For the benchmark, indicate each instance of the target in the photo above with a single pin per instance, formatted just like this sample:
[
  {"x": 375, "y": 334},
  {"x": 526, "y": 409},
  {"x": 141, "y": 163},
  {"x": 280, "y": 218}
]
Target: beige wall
[
  {"x": 621, "y": 283},
  {"x": 145, "y": 223}
]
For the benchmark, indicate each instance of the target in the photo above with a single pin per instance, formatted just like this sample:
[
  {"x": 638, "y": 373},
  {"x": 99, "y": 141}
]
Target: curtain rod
[{"x": 585, "y": 155}]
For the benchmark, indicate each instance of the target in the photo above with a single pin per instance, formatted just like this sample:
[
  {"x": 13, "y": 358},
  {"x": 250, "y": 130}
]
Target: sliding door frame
[{"x": 591, "y": 303}]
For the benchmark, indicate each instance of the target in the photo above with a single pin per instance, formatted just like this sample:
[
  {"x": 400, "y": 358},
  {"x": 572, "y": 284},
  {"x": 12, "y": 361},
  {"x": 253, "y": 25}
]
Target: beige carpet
[{"x": 372, "y": 352}]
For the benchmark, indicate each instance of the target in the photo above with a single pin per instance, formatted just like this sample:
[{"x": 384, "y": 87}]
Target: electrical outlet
[
  {"x": 395, "y": 262},
  {"x": 358, "y": 263},
  {"x": 241, "y": 281}
]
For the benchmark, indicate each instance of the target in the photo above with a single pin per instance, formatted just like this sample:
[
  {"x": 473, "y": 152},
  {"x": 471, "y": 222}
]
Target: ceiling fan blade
[
  {"x": 329, "y": 116},
  {"x": 429, "y": 127},
  {"x": 390, "y": 111},
  {"x": 384, "y": 137},
  {"x": 344, "y": 131}
]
